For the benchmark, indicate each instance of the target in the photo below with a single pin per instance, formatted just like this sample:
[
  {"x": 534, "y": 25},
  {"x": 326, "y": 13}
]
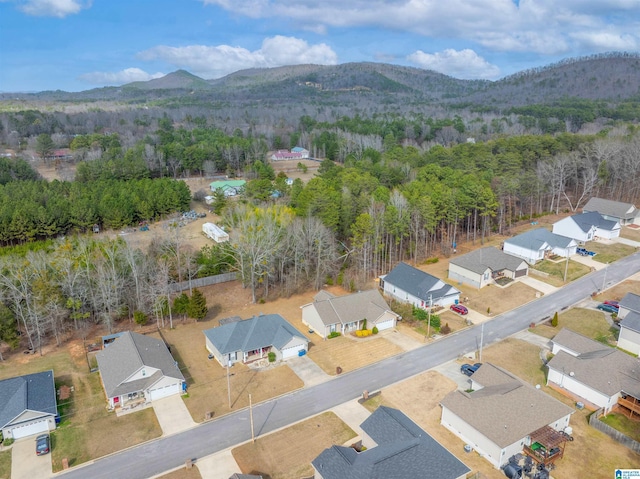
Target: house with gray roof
[
  {"x": 403, "y": 451},
  {"x": 585, "y": 227},
  {"x": 484, "y": 266},
  {"x": 538, "y": 244},
  {"x": 28, "y": 405},
  {"x": 254, "y": 338},
  {"x": 329, "y": 313},
  {"x": 136, "y": 369},
  {"x": 623, "y": 213},
  {"x": 602, "y": 376},
  {"x": 411, "y": 285},
  {"x": 501, "y": 413},
  {"x": 629, "y": 316}
]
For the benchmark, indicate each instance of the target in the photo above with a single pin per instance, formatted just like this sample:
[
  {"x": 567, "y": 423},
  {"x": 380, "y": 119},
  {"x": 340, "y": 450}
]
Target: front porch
[
  {"x": 256, "y": 355},
  {"x": 131, "y": 402}
]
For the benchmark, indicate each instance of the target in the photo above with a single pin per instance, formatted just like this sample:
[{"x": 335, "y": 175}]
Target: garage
[
  {"x": 163, "y": 392},
  {"x": 521, "y": 272},
  {"x": 292, "y": 352},
  {"x": 30, "y": 429},
  {"x": 382, "y": 325}
]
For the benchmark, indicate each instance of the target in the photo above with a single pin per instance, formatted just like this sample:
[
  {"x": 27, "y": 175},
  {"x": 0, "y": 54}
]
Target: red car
[
  {"x": 610, "y": 302},
  {"x": 458, "y": 308}
]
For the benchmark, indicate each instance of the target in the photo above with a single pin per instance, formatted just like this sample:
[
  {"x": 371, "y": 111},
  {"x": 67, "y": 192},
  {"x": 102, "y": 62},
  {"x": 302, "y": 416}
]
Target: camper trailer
[{"x": 214, "y": 232}]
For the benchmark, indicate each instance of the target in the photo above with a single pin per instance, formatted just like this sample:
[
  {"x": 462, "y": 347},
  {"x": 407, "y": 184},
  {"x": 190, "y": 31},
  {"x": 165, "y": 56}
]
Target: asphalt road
[{"x": 167, "y": 453}]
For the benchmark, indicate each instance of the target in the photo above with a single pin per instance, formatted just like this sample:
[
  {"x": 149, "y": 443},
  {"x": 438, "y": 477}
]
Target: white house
[
  {"x": 587, "y": 227},
  {"x": 483, "y": 266},
  {"x": 602, "y": 376},
  {"x": 343, "y": 314},
  {"x": 502, "y": 415},
  {"x": 214, "y": 232},
  {"x": 629, "y": 316},
  {"x": 537, "y": 244},
  {"x": 411, "y": 285},
  {"x": 623, "y": 213}
]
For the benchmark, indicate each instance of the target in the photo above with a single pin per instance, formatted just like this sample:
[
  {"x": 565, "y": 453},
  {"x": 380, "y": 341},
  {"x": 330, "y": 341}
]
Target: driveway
[
  {"x": 24, "y": 462},
  {"x": 307, "y": 370},
  {"x": 399, "y": 339},
  {"x": 353, "y": 414},
  {"x": 538, "y": 285},
  {"x": 172, "y": 415},
  {"x": 588, "y": 261},
  {"x": 451, "y": 370}
]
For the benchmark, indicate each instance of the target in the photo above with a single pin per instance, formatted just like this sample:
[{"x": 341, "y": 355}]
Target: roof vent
[{"x": 572, "y": 374}]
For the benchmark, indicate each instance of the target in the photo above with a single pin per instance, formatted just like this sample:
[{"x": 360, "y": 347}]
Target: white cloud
[
  {"x": 127, "y": 75},
  {"x": 541, "y": 26},
  {"x": 216, "y": 61},
  {"x": 459, "y": 64},
  {"x": 53, "y": 8}
]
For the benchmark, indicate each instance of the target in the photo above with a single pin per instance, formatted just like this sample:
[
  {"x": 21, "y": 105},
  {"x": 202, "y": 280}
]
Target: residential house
[
  {"x": 603, "y": 376},
  {"x": 585, "y": 227},
  {"x": 629, "y": 316},
  {"x": 28, "y": 405},
  {"x": 483, "y": 266},
  {"x": 403, "y": 451},
  {"x": 538, "y": 244},
  {"x": 329, "y": 313},
  {"x": 228, "y": 187},
  {"x": 303, "y": 151},
  {"x": 282, "y": 155},
  {"x": 503, "y": 416},
  {"x": 622, "y": 213},
  {"x": 254, "y": 338},
  {"x": 136, "y": 369},
  {"x": 411, "y": 285}
]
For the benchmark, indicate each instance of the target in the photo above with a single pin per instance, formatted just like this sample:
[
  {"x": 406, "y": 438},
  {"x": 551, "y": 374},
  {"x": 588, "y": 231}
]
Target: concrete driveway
[
  {"x": 451, "y": 370},
  {"x": 538, "y": 285},
  {"x": 310, "y": 373},
  {"x": 24, "y": 462},
  {"x": 588, "y": 261},
  {"x": 172, "y": 415}
]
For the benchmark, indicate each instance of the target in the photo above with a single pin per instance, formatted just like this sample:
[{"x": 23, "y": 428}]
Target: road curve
[{"x": 166, "y": 453}]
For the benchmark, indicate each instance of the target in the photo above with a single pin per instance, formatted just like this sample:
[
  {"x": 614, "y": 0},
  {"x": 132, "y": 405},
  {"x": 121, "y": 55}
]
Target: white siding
[
  {"x": 30, "y": 428},
  {"x": 569, "y": 228},
  {"x": 629, "y": 340},
  {"x": 405, "y": 297},
  {"x": 163, "y": 390},
  {"x": 143, "y": 372},
  {"x": 566, "y": 381},
  {"x": 458, "y": 273},
  {"x": 291, "y": 349},
  {"x": 530, "y": 256},
  {"x": 606, "y": 234}
]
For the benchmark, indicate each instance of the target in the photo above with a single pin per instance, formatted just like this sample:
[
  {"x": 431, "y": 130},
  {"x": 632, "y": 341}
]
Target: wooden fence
[
  {"x": 207, "y": 281},
  {"x": 594, "y": 421}
]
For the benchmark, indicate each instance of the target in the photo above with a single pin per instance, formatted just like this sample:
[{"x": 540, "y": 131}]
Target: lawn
[
  {"x": 183, "y": 473},
  {"x": 5, "y": 464},
  {"x": 351, "y": 354},
  {"x": 287, "y": 454},
  {"x": 207, "y": 379},
  {"x": 556, "y": 271},
  {"x": 623, "y": 424},
  {"x": 587, "y": 322},
  {"x": 608, "y": 253},
  {"x": 495, "y": 299}
]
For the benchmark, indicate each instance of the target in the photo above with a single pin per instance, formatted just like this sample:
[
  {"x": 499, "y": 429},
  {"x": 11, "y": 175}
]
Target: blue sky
[{"x": 76, "y": 45}]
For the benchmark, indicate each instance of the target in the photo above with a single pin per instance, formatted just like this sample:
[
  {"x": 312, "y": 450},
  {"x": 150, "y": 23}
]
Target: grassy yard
[
  {"x": 5, "y": 464},
  {"x": 556, "y": 271},
  {"x": 630, "y": 233},
  {"x": 608, "y": 253},
  {"x": 287, "y": 454},
  {"x": 623, "y": 424},
  {"x": 587, "y": 322},
  {"x": 183, "y": 473}
]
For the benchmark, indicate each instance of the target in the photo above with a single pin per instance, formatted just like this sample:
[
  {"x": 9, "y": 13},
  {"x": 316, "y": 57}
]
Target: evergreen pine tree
[{"x": 197, "y": 308}]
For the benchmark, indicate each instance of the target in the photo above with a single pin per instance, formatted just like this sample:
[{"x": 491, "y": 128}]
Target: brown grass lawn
[
  {"x": 5, "y": 464},
  {"x": 592, "y": 454},
  {"x": 287, "y": 454},
  {"x": 608, "y": 253},
  {"x": 497, "y": 299},
  {"x": 587, "y": 322},
  {"x": 630, "y": 233},
  {"x": 619, "y": 290},
  {"x": 183, "y": 473},
  {"x": 556, "y": 270},
  {"x": 351, "y": 354}
]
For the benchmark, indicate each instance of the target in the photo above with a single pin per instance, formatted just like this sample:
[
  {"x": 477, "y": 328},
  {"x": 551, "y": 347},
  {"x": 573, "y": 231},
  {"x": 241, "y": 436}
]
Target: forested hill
[{"x": 613, "y": 77}]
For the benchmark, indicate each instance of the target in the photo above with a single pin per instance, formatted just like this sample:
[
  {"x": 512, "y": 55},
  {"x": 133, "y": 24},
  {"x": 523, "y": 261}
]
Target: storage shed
[{"x": 214, "y": 232}]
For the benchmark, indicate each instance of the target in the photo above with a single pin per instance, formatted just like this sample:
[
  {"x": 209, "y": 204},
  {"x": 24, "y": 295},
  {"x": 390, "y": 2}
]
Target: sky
[{"x": 76, "y": 45}]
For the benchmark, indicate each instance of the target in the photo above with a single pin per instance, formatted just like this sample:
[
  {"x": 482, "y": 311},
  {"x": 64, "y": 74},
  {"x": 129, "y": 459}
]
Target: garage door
[
  {"x": 30, "y": 429},
  {"x": 291, "y": 352},
  {"x": 521, "y": 272},
  {"x": 382, "y": 325},
  {"x": 164, "y": 392}
]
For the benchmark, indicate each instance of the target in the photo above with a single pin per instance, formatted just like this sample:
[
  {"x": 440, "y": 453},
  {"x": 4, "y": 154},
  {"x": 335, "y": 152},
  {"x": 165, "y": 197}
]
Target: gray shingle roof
[
  {"x": 598, "y": 366},
  {"x": 253, "y": 333},
  {"x": 479, "y": 260},
  {"x": 586, "y": 220},
  {"x": 404, "y": 451},
  {"x": 535, "y": 240},
  {"x": 33, "y": 392},
  {"x": 128, "y": 354},
  {"x": 575, "y": 342},
  {"x": 631, "y": 321},
  {"x": 506, "y": 409},
  {"x": 418, "y": 283},
  {"x": 352, "y": 307},
  {"x": 631, "y": 302},
  {"x": 615, "y": 209}
]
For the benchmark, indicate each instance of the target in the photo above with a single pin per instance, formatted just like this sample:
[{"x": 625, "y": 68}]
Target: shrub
[
  {"x": 554, "y": 321},
  {"x": 488, "y": 310},
  {"x": 419, "y": 314},
  {"x": 445, "y": 329},
  {"x": 435, "y": 321},
  {"x": 197, "y": 308},
  {"x": 340, "y": 279},
  {"x": 363, "y": 333},
  {"x": 364, "y": 323},
  {"x": 139, "y": 318},
  {"x": 272, "y": 357},
  {"x": 374, "y": 330},
  {"x": 335, "y": 334},
  {"x": 8, "y": 441},
  {"x": 432, "y": 260},
  {"x": 329, "y": 281}
]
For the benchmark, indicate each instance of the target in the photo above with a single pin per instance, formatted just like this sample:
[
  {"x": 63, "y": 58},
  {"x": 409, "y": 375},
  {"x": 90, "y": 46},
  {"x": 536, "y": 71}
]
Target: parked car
[
  {"x": 611, "y": 302},
  {"x": 581, "y": 251},
  {"x": 458, "y": 308},
  {"x": 469, "y": 369},
  {"x": 42, "y": 445},
  {"x": 607, "y": 308}
]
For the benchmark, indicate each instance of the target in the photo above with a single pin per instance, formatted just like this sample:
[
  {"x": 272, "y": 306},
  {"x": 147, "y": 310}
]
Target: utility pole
[
  {"x": 253, "y": 437},
  {"x": 481, "y": 341},
  {"x": 429, "y": 318},
  {"x": 566, "y": 266},
  {"x": 228, "y": 384}
]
